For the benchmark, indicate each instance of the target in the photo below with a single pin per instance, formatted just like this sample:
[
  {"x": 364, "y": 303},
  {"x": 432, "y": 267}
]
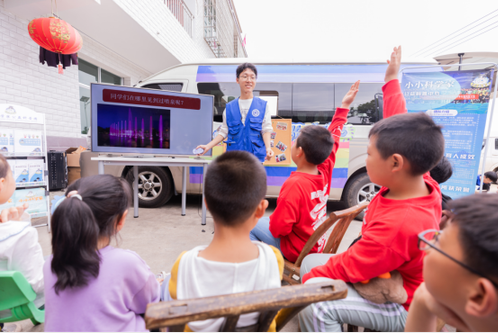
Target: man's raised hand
[
  {"x": 350, "y": 95},
  {"x": 394, "y": 64}
]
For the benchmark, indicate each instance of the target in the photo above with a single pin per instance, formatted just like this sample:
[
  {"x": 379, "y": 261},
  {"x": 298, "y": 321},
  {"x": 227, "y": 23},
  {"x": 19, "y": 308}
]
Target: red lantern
[{"x": 55, "y": 35}]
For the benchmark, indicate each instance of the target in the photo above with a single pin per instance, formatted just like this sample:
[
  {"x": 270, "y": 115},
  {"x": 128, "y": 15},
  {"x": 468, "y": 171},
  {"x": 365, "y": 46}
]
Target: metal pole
[
  {"x": 135, "y": 191},
  {"x": 486, "y": 147},
  {"x": 460, "y": 55},
  {"x": 46, "y": 171},
  {"x": 203, "y": 203},
  {"x": 184, "y": 189},
  {"x": 101, "y": 167}
]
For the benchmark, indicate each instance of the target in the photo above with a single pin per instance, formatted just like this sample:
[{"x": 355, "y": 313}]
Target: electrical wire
[
  {"x": 461, "y": 37},
  {"x": 496, "y": 26},
  {"x": 423, "y": 50}
]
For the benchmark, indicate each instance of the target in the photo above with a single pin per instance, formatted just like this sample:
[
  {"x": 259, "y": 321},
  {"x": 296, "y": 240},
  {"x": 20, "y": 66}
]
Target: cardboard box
[
  {"x": 28, "y": 142},
  {"x": 73, "y": 174},
  {"x": 73, "y": 156},
  {"x": 36, "y": 169},
  {"x": 6, "y": 140}
]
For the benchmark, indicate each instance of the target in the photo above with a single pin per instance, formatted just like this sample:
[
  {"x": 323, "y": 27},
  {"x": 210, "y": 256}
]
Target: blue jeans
[{"x": 261, "y": 232}]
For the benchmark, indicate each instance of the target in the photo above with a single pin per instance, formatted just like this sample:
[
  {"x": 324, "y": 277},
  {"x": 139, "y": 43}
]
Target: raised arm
[
  {"x": 341, "y": 117},
  {"x": 394, "y": 102}
]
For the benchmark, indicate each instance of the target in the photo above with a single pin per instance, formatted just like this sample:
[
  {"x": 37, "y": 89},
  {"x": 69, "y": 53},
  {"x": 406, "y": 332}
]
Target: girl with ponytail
[{"x": 90, "y": 285}]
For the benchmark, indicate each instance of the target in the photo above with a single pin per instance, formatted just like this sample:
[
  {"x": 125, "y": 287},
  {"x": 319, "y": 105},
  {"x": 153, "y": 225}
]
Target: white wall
[
  {"x": 155, "y": 17},
  {"x": 99, "y": 55},
  {"x": 24, "y": 81}
]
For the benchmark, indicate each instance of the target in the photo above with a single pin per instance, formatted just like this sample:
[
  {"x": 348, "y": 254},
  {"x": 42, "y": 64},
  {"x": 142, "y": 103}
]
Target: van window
[
  {"x": 364, "y": 110},
  {"x": 165, "y": 86},
  {"x": 312, "y": 102},
  {"x": 282, "y": 90},
  {"x": 223, "y": 93}
]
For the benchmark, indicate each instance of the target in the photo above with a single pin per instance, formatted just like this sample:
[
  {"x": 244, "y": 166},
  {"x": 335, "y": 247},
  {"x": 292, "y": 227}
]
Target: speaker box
[{"x": 57, "y": 170}]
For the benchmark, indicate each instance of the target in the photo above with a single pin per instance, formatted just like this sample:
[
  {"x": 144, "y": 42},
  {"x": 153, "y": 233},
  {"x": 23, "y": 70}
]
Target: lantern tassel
[{"x": 59, "y": 66}]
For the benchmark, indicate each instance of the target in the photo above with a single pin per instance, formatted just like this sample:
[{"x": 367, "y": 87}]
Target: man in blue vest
[{"x": 246, "y": 120}]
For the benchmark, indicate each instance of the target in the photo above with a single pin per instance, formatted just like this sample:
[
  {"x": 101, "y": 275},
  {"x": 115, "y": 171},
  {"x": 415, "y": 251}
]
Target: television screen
[
  {"x": 146, "y": 121},
  {"x": 121, "y": 126}
]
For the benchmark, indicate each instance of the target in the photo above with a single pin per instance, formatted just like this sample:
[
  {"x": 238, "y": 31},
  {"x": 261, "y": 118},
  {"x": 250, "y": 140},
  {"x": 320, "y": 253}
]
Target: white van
[{"x": 303, "y": 92}]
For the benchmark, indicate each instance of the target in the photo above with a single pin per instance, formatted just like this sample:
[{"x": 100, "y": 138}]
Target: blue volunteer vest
[{"x": 246, "y": 136}]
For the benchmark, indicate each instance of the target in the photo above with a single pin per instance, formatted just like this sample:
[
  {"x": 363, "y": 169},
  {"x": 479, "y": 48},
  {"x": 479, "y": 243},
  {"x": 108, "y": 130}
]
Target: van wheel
[
  {"x": 155, "y": 186},
  {"x": 359, "y": 190}
]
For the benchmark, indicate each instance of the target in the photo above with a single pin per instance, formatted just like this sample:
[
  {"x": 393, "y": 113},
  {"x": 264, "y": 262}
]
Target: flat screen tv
[{"x": 145, "y": 121}]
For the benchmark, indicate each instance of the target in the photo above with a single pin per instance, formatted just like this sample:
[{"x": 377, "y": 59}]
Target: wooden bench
[{"x": 290, "y": 300}]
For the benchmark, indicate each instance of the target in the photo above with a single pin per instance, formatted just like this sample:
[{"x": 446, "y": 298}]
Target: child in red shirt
[
  {"x": 401, "y": 151},
  {"x": 302, "y": 202}
]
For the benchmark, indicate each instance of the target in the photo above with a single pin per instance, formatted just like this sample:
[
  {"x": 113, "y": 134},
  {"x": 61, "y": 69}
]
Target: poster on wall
[
  {"x": 458, "y": 101},
  {"x": 34, "y": 197},
  {"x": 281, "y": 142}
]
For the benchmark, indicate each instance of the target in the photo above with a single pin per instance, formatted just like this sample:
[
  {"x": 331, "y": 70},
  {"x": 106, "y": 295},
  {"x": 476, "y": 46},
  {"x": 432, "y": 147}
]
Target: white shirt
[
  {"x": 244, "y": 105},
  {"x": 20, "y": 251},
  {"x": 198, "y": 277}
]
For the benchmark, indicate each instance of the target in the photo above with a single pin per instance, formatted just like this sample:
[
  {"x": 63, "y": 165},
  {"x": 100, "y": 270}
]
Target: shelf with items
[
  {"x": 23, "y": 142},
  {"x": 31, "y": 184},
  {"x": 23, "y": 155}
]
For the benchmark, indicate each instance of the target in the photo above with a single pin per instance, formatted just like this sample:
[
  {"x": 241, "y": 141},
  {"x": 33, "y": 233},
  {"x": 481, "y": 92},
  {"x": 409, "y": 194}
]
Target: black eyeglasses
[{"x": 427, "y": 239}]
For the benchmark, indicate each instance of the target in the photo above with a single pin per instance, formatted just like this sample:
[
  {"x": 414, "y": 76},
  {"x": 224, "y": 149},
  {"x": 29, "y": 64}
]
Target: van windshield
[{"x": 303, "y": 102}]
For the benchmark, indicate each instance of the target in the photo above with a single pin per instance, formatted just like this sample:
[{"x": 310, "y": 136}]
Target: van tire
[
  {"x": 155, "y": 186},
  {"x": 359, "y": 190}
]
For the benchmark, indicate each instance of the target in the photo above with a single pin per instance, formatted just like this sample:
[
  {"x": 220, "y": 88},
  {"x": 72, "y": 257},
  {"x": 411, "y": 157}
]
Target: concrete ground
[{"x": 159, "y": 235}]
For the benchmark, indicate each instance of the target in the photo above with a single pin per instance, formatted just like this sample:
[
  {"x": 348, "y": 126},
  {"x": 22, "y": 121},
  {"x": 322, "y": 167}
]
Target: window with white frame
[{"x": 88, "y": 73}]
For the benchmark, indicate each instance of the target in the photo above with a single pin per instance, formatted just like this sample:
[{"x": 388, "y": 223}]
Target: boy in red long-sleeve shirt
[
  {"x": 401, "y": 151},
  {"x": 302, "y": 202}
]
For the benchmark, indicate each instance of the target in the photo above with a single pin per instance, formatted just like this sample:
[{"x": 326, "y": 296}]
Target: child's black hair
[
  {"x": 491, "y": 175},
  {"x": 4, "y": 166},
  {"x": 442, "y": 171},
  {"x": 317, "y": 143},
  {"x": 235, "y": 184},
  {"x": 245, "y": 66},
  {"x": 415, "y": 136},
  {"x": 77, "y": 226},
  {"x": 476, "y": 216}
]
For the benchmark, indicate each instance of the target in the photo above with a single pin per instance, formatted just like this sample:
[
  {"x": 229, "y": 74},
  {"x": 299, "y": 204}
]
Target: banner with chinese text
[{"x": 458, "y": 101}]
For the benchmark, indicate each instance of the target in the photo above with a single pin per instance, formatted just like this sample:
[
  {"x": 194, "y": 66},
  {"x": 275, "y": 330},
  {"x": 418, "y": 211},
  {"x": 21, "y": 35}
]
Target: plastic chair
[{"x": 17, "y": 296}]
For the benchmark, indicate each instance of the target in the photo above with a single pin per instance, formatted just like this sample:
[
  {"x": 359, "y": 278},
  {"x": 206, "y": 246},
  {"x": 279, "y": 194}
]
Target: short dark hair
[
  {"x": 491, "y": 175},
  {"x": 4, "y": 166},
  {"x": 476, "y": 217},
  {"x": 442, "y": 171},
  {"x": 415, "y": 136},
  {"x": 235, "y": 184},
  {"x": 317, "y": 143},
  {"x": 245, "y": 66}
]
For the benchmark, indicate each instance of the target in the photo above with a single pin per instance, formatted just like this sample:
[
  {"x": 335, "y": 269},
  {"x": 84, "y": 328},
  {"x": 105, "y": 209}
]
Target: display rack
[{"x": 22, "y": 118}]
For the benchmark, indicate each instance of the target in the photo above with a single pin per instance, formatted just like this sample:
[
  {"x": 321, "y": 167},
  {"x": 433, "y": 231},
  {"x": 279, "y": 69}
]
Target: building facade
[{"x": 124, "y": 41}]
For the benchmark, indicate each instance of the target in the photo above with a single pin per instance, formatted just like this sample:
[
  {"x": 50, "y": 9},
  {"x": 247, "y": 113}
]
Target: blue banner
[{"x": 459, "y": 102}]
